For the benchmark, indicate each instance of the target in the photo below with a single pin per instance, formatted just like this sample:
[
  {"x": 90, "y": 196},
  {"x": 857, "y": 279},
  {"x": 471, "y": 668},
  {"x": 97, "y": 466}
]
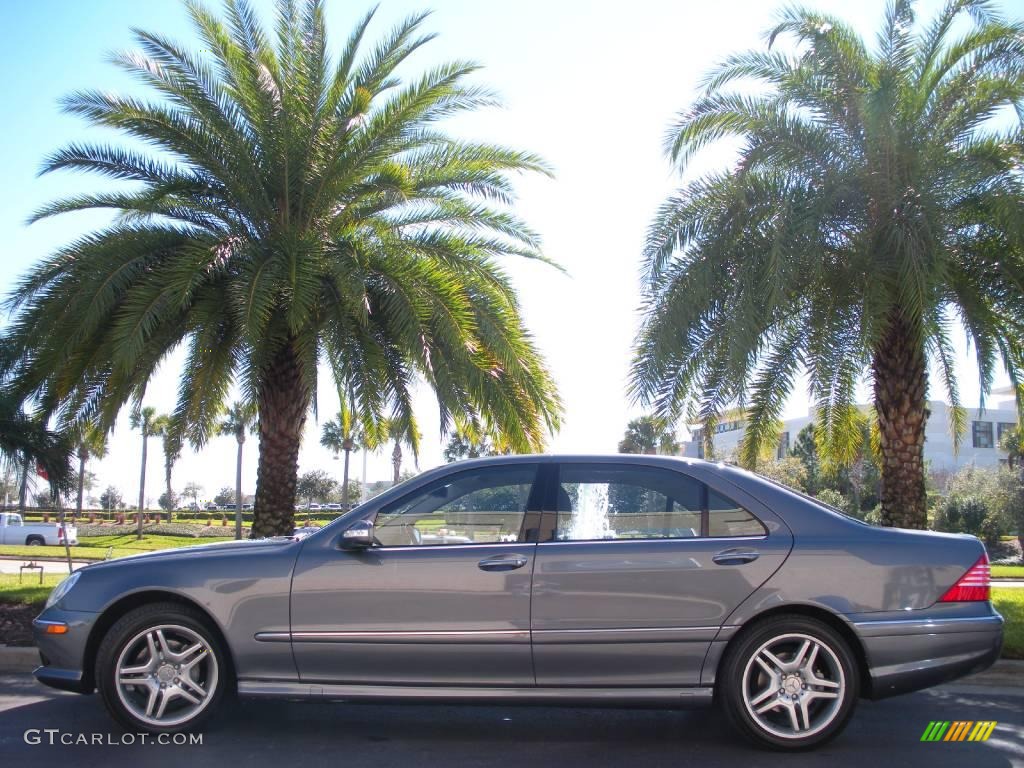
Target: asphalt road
[{"x": 278, "y": 734}]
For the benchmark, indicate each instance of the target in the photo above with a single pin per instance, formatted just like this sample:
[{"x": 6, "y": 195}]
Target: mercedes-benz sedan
[{"x": 617, "y": 580}]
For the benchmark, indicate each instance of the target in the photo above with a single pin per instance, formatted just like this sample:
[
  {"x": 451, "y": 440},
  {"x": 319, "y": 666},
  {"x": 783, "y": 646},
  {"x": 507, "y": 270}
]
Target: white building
[{"x": 979, "y": 446}]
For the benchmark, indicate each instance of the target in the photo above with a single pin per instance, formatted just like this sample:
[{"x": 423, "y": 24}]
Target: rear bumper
[{"x": 907, "y": 655}]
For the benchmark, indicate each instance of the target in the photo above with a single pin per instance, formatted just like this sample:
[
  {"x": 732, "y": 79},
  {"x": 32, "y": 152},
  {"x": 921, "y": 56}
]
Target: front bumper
[
  {"x": 907, "y": 655},
  {"x": 62, "y": 656}
]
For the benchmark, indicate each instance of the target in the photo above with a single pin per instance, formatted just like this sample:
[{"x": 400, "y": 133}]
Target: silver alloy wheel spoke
[
  {"x": 166, "y": 675},
  {"x": 793, "y": 686}
]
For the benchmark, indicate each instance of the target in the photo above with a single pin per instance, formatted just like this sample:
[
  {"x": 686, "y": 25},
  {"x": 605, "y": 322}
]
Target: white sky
[{"x": 590, "y": 86}]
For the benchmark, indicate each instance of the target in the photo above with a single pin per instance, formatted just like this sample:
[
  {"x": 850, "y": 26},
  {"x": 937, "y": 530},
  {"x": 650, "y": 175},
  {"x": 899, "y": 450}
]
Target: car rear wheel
[
  {"x": 35, "y": 541},
  {"x": 161, "y": 669},
  {"x": 790, "y": 682}
]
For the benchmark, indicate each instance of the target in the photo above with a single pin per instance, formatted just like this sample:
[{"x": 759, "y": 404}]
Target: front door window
[{"x": 475, "y": 507}]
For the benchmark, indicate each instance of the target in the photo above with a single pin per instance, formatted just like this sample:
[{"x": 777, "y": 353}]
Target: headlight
[{"x": 62, "y": 589}]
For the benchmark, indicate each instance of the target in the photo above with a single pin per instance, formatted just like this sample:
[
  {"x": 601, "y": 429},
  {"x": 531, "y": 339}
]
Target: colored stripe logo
[{"x": 958, "y": 730}]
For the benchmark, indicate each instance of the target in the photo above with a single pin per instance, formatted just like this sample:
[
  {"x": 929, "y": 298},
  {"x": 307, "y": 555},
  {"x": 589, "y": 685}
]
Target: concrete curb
[
  {"x": 1004, "y": 673},
  {"x": 18, "y": 659}
]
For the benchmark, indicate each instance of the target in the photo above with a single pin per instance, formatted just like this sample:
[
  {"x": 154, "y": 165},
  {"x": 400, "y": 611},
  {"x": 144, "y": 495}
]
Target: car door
[
  {"x": 443, "y": 598},
  {"x": 638, "y": 570}
]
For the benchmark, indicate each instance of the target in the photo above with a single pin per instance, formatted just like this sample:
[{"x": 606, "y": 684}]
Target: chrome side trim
[
  {"x": 273, "y": 637},
  {"x": 624, "y": 635},
  {"x": 426, "y": 636},
  {"x": 546, "y": 636},
  {"x": 612, "y": 697}
]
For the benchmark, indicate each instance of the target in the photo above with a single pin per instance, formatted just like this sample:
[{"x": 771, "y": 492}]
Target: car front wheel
[
  {"x": 160, "y": 669},
  {"x": 790, "y": 683}
]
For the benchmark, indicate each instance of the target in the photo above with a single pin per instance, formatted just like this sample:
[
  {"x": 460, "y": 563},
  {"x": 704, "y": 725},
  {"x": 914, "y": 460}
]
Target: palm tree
[
  {"x": 299, "y": 207},
  {"x": 238, "y": 419},
  {"x": 92, "y": 444},
  {"x": 142, "y": 420},
  {"x": 399, "y": 432},
  {"x": 649, "y": 434},
  {"x": 1014, "y": 447},
  {"x": 170, "y": 435},
  {"x": 873, "y": 205},
  {"x": 25, "y": 442},
  {"x": 339, "y": 436}
]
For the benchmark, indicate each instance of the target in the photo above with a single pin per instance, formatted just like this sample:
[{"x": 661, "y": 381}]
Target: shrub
[{"x": 969, "y": 514}]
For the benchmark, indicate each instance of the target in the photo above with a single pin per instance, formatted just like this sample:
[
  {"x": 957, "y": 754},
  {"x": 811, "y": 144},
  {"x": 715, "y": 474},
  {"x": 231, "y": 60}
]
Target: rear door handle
[
  {"x": 502, "y": 563},
  {"x": 736, "y": 556}
]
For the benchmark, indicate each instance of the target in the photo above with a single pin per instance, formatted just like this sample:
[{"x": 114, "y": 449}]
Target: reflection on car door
[
  {"x": 642, "y": 566},
  {"x": 444, "y": 599}
]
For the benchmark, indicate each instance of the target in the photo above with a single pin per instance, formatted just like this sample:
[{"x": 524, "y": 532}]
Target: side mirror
[{"x": 359, "y": 535}]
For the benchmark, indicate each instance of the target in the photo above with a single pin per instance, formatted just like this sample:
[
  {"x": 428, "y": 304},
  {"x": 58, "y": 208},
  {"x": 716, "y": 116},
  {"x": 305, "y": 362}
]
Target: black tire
[
  {"x": 35, "y": 541},
  {"x": 126, "y": 632},
  {"x": 791, "y": 691}
]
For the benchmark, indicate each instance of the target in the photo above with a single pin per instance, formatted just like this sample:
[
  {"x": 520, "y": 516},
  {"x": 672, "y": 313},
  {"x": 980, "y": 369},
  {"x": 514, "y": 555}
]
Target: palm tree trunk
[
  {"x": 901, "y": 382},
  {"x": 283, "y": 401},
  {"x": 344, "y": 481},
  {"x": 396, "y": 461},
  {"x": 142, "y": 483},
  {"x": 168, "y": 467},
  {"x": 23, "y": 490},
  {"x": 238, "y": 490},
  {"x": 81, "y": 483}
]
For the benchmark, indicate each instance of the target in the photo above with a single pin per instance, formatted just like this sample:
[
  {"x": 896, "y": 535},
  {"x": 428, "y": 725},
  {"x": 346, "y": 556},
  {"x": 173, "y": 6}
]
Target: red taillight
[{"x": 972, "y": 586}]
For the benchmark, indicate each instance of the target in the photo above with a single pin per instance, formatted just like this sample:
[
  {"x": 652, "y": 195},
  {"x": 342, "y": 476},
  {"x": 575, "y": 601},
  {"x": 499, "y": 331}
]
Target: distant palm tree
[
  {"x": 649, "y": 434},
  {"x": 294, "y": 208},
  {"x": 92, "y": 444},
  {"x": 339, "y": 436},
  {"x": 142, "y": 420},
  {"x": 169, "y": 432},
  {"x": 873, "y": 206},
  {"x": 26, "y": 444},
  {"x": 239, "y": 419}
]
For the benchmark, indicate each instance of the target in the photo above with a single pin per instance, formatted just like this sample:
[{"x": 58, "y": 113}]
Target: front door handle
[
  {"x": 502, "y": 563},
  {"x": 736, "y": 556}
]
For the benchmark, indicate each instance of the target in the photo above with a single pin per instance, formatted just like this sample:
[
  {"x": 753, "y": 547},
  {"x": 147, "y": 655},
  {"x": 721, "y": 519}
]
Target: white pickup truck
[{"x": 14, "y": 530}]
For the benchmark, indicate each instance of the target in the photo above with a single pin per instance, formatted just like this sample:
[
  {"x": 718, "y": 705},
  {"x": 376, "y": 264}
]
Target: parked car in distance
[
  {"x": 333, "y": 507},
  {"x": 14, "y": 530},
  {"x": 615, "y": 580}
]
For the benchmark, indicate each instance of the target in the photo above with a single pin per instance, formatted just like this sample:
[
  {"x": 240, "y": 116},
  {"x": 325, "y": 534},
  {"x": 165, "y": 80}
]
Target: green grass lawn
[
  {"x": 29, "y": 591},
  {"x": 1008, "y": 571},
  {"x": 1010, "y": 603},
  {"x": 96, "y": 547}
]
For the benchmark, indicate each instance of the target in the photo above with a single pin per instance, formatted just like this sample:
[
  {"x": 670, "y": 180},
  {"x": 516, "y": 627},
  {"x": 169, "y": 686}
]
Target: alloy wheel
[{"x": 166, "y": 675}]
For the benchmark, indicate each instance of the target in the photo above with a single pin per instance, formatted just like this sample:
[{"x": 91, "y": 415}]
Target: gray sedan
[{"x": 614, "y": 580}]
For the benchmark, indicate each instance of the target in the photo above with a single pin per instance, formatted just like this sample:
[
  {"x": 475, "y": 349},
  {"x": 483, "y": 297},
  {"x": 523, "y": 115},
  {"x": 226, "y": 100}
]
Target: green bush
[{"x": 970, "y": 515}]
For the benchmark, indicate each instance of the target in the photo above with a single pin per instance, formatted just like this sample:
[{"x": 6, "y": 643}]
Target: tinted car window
[
  {"x": 727, "y": 518},
  {"x": 475, "y": 507},
  {"x": 598, "y": 502}
]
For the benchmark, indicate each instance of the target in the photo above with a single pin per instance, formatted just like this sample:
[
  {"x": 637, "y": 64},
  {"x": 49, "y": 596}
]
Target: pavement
[
  {"x": 11, "y": 565},
  {"x": 885, "y": 733}
]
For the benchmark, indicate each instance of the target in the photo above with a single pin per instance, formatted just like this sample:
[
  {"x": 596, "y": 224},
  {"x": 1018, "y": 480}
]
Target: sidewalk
[{"x": 12, "y": 564}]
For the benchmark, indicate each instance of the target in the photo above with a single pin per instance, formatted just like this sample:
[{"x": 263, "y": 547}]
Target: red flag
[{"x": 41, "y": 471}]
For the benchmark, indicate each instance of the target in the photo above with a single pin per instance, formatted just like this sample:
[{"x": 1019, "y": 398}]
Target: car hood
[{"x": 196, "y": 551}]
